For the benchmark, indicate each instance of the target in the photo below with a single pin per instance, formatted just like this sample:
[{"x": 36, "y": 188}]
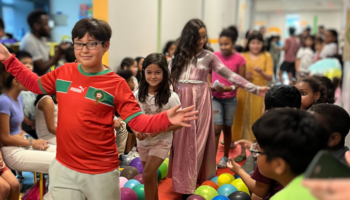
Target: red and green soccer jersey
[{"x": 87, "y": 103}]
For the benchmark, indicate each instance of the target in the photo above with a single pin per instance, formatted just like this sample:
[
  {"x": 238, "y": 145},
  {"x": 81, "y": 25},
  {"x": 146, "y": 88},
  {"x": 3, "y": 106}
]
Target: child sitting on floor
[
  {"x": 338, "y": 125},
  {"x": 288, "y": 141},
  {"x": 278, "y": 96}
]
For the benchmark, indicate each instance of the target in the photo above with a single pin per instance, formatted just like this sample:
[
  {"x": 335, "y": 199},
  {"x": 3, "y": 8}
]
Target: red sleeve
[
  {"x": 130, "y": 111},
  {"x": 30, "y": 80},
  {"x": 150, "y": 123},
  {"x": 259, "y": 177},
  {"x": 24, "y": 75}
]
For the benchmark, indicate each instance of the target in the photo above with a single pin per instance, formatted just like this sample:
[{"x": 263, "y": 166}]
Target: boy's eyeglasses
[
  {"x": 90, "y": 45},
  {"x": 255, "y": 150}
]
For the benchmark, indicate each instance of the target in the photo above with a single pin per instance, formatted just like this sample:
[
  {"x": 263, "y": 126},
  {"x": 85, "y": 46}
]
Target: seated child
[
  {"x": 9, "y": 186},
  {"x": 338, "y": 124},
  {"x": 288, "y": 141},
  {"x": 278, "y": 96},
  {"x": 28, "y": 97},
  {"x": 119, "y": 125}
]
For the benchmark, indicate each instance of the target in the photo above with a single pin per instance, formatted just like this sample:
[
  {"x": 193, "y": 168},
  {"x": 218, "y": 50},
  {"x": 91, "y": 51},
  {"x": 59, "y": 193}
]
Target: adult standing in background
[
  {"x": 35, "y": 40},
  {"x": 291, "y": 47},
  {"x": 266, "y": 40},
  {"x": 330, "y": 48},
  {"x": 321, "y": 31}
]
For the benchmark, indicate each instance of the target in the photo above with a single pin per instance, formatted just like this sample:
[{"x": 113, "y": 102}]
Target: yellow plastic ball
[
  {"x": 239, "y": 184},
  {"x": 224, "y": 179}
]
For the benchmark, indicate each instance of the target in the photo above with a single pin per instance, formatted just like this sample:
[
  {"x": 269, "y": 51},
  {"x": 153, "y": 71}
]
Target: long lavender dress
[{"x": 192, "y": 157}]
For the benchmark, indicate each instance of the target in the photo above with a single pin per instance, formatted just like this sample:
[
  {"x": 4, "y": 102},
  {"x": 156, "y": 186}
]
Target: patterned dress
[{"x": 192, "y": 157}]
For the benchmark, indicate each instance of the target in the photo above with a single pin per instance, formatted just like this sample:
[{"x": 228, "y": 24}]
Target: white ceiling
[{"x": 297, "y": 5}]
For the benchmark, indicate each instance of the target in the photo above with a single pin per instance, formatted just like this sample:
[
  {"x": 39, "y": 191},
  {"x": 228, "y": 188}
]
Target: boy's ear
[
  {"x": 279, "y": 166},
  {"x": 106, "y": 45},
  {"x": 334, "y": 139}
]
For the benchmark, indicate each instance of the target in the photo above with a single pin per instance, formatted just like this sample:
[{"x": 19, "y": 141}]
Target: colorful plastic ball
[
  {"x": 226, "y": 190},
  {"x": 122, "y": 181},
  {"x": 224, "y": 179},
  {"x": 207, "y": 192},
  {"x": 239, "y": 184},
  {"x": 215, "y": 179},
  {"x": 211, "y": 184},
  {"x": 131, "y": 183},
  {"x": 127, "y": 194},
  {"x": 164, "y": 170},
  {"x": 140, "y": 192}
]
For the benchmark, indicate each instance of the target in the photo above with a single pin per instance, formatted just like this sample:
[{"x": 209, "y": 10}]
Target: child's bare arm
[{"x": 260, "y": 189}]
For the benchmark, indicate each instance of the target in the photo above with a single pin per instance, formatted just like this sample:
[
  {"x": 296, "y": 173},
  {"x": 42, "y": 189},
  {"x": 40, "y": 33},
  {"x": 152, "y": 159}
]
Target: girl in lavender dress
[{"x": 192, "y": 158}]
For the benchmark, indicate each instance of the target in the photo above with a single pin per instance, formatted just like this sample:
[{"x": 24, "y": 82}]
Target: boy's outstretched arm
[
  {"x": 130, "y": 111},
  {"x": 24, "y": 75}
]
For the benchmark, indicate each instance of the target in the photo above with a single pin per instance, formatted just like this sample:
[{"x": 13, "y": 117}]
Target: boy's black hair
[
  {"x": 23, "y": 54},
  {"x": 293, "y": 135},
  {"x": 230, "y": 32},
  {"x": 98, "y": 29},
  {"x": 69, "y": 54},
  {"x": 35, "y": 17},
  {"x": 280, "y": 96},
  {"x": 125, "y": 74},
  {"x": 337, "y": 118}
]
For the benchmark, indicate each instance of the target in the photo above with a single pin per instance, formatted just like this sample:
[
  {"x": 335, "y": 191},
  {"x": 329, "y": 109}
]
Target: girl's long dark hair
[
  {"x": 186, "y": 48},
  {"x": 163, "y": 94}
]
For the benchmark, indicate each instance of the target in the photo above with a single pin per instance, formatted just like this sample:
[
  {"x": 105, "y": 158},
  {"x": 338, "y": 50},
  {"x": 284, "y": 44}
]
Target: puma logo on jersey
[{"x": 78, "y": 90}]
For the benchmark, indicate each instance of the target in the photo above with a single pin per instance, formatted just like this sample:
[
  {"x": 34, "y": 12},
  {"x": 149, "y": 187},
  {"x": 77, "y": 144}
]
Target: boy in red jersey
[{"x": 88, "y": 94}]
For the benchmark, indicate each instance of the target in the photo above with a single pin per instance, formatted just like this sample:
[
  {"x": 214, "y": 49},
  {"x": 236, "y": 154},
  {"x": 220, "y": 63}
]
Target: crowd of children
[{"x": 179, "y": 101}]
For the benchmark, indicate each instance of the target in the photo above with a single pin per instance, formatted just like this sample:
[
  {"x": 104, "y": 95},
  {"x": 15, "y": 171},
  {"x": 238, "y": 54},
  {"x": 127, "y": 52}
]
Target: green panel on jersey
[
  {"x": 62, "y": 85},
  {"x": 100, "y": 96}
]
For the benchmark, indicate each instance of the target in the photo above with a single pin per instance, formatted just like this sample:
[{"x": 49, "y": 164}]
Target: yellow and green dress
[{"x": 250, "y": 106}]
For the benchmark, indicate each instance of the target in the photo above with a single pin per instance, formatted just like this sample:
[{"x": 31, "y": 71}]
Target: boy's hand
[
  {"x": 140, "y": 136},
  {"x": 4, "y": 53},
  {"x": 179, "y": 116},
  {"x": 233, "y": 166},
  {"x": 117, "y": 124}
]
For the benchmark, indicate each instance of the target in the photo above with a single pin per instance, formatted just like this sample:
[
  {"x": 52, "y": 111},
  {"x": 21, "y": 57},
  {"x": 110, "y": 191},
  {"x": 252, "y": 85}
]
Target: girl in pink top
[{"x": 224, "y": 98}]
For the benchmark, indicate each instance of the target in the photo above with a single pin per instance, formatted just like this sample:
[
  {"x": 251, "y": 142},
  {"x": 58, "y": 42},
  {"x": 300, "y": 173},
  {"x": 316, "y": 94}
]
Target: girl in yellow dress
[{"x": 259, "y": 70}]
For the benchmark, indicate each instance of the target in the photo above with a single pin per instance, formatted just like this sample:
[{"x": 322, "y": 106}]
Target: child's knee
[
  {"x": 147, "y": 176},
  {"x": 14, "y": 184},
  {"x": 5, "y": 189}
]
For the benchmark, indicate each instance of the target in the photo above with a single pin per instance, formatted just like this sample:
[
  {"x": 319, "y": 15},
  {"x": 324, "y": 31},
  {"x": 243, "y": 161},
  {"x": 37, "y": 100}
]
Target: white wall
[
  {"x": 134, "y": 23},
  {"x": 134, "y": 26},
  {"x": 217, "y": 16},
  {"x": 71, "y": 9},
  {"x": 330, "y": 19},
  {"x": 175, "y": 14}
]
